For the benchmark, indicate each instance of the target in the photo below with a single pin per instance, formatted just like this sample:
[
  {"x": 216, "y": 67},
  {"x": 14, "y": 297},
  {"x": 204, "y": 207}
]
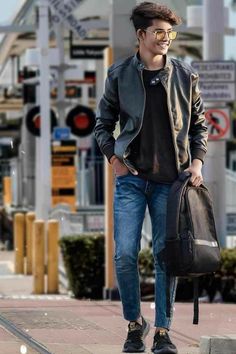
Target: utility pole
[
  {"x": 122, "y": 44},
  {"x": 43, "y": 148},
  {"x": 214, "y": 169},
  {"x": 61, "y": 76}
]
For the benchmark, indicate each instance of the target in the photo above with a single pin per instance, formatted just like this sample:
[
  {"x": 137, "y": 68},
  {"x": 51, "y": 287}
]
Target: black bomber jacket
[{"x": 124, "y": 101}]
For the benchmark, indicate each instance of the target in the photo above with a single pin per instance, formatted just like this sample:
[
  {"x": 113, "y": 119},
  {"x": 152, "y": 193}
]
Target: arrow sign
[{"x": 62, "y": 13}]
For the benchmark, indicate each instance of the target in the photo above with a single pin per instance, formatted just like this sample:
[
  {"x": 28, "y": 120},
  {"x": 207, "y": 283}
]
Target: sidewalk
[{"x": 68, "y": 326}]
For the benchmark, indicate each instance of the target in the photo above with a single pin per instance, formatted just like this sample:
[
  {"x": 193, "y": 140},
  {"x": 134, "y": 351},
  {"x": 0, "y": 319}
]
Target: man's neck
[{"x": 152, "y": 62}]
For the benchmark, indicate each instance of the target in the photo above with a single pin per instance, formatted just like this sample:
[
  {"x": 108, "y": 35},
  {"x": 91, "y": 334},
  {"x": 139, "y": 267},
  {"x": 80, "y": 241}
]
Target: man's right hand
[{"x": 118, "y": 167}]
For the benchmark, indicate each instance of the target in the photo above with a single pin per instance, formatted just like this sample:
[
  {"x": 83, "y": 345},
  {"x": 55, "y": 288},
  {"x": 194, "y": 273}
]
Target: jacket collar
[{"x": 140, "y": 65}]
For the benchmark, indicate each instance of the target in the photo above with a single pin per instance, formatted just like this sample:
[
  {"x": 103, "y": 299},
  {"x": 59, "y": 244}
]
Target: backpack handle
[{"x": 174, "y": 203}]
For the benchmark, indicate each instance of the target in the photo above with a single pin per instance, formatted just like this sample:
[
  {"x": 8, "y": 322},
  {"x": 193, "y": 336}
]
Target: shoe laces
[
  {"x": 162, "y": 338},
  {"x": 134, "y": 334}
]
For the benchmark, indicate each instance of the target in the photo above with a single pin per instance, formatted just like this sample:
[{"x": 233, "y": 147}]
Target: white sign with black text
[
  {"x": 220, "y": 71},
  {"x": 216, "y": 80},
  {"x": 63, "y": 13}
]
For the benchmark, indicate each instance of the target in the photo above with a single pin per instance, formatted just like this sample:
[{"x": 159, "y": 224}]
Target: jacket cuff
[
  {"x": 198, "y": 154},
  {"x": 108, "y": 151}
]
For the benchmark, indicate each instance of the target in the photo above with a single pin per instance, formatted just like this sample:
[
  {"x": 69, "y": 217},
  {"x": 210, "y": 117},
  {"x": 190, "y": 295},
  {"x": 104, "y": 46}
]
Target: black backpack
[{"x": 191, "y": 248}]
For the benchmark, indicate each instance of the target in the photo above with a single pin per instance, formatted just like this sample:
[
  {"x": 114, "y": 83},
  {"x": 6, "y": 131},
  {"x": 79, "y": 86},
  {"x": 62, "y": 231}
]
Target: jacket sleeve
[
  {"x": 198, "y": 129},
  {"x": 106, "y": 117}
]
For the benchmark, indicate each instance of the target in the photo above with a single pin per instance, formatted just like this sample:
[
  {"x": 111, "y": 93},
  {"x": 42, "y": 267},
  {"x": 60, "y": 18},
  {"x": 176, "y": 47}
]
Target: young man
[{"x": 162, "y": 132}]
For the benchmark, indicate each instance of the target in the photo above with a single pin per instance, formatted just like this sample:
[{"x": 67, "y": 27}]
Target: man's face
[{"x": 151, "y": 38}]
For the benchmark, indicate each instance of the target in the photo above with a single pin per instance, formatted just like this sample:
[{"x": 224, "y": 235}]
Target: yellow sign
[
  {"x": 70, "y": 200},
  {"x": 64, "y": 176}
]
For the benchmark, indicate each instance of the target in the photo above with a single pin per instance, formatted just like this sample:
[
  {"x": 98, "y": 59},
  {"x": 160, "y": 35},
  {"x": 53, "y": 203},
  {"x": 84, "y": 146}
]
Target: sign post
[
  {"x": 214, "y": 167},
  {"x": 217, "y": 84},
  {"x": 43, "y": 168}
]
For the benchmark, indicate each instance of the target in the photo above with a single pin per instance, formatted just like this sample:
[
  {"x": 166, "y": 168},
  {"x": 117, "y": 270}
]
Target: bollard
[
  {"x": 52, "y": 259},
  {"x": 19, "y": 241},
  {"x": 38, "y": 256},
  {"x": 7, "y": 194},
  {"x": 30, "y": 218}
]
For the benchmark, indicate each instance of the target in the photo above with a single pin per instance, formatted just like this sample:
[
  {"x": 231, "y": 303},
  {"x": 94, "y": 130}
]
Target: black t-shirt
[{"x": 152, "y": 151}]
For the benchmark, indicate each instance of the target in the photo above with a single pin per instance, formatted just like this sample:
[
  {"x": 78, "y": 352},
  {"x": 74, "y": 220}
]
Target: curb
[{"x": 218, "y": 344}]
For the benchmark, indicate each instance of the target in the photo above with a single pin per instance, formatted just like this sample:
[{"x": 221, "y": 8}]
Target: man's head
[{"x": 153, "y": 24}]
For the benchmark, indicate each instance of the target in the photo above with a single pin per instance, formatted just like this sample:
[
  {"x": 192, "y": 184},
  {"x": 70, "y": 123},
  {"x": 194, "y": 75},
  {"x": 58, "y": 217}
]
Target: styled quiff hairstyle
[{"x": 143, "y": 14}]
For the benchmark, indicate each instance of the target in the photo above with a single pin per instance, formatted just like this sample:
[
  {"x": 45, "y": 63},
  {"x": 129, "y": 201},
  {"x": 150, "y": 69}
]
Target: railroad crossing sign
[
  {"x": 63, "y": 13},
  {"x": 218, "y": 121}
]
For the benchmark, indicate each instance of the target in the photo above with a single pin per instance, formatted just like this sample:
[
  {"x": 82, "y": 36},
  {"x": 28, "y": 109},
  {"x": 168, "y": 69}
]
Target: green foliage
[
  {"x": 228, "y": 261},
  {"x": 84, "y": 263},
  {"x": 146, "y": 263},
  {"x": 83, "y": 257}
]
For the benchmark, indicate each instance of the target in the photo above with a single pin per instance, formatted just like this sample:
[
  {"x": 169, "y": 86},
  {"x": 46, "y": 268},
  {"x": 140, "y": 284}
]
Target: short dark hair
[{"x": 143, "y": 14}]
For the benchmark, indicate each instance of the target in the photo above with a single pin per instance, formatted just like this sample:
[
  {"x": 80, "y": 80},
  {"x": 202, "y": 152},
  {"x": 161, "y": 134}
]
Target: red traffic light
[
  {"x": 33, "y": 120},
  {"x": 81, "y": 120}
]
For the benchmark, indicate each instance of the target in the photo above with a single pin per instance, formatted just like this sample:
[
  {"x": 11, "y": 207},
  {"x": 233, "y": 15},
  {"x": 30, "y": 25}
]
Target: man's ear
[{"x": 140, "y": 34}]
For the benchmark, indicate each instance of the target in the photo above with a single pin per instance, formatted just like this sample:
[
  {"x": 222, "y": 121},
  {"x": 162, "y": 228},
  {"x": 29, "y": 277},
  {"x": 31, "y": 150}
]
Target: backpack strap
[
  {"x": 172, "y": 228},
  {"x": 174, "y": 203},
  {"x": 195, "y": 300}
]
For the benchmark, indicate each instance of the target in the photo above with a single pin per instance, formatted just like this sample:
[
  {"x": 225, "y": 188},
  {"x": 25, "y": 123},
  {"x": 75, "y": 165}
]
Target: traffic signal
[
  {"x": 81, "y": 120},
  {"x": 33, "y": 120},
  {"x": 29, "y": 89}
]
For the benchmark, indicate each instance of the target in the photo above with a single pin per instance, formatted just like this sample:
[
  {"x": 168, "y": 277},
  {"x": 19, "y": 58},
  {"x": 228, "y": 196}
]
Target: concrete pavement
[{"x": 69, "y": 326}]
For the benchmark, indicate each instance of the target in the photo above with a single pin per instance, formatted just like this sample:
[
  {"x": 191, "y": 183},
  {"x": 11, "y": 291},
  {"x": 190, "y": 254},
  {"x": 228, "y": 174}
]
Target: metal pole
[
  {"x": 61, "y": 74},
  {"x": 214, "y": 169},
  {"x": 43, "y": 178}
]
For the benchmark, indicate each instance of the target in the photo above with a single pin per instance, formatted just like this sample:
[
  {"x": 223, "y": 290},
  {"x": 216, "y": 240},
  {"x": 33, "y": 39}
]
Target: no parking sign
[{"x": 218, "y": 122}]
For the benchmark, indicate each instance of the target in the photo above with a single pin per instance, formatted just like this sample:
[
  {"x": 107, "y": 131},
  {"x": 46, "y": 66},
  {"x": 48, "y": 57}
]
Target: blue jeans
[{"x": 132, "y": 195}]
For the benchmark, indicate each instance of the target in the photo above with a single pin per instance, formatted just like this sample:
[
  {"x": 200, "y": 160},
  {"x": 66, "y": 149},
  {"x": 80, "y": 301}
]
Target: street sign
[
  {"x": 62, "y": 13},
  {"x": 61, "y": 133},
  {"x": 216, "y": 71},
  {"x": 217, "y": 91},
  {"x": 218, "y": 121},
  {"x": 231, "y": 223},
  {"x": 86, "y": 51},
  {"x": 217, "y": 80}
]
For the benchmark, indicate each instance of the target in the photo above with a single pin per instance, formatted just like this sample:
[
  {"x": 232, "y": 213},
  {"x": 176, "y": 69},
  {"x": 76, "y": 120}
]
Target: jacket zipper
[
  {"x": 144, "y": 104},
  {"x": 171, "y": 124}
]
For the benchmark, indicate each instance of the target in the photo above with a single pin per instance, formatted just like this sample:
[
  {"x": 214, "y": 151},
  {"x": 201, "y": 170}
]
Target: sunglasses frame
[{"x": 163, "y": 32}]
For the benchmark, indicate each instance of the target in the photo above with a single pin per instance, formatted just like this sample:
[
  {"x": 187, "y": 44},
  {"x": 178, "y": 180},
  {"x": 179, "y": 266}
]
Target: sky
[{"x": 10, "y": 7}]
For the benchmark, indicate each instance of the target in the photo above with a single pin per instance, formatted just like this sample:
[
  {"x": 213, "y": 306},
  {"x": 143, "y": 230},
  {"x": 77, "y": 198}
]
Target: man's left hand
[{"x": 196, "y": 170}]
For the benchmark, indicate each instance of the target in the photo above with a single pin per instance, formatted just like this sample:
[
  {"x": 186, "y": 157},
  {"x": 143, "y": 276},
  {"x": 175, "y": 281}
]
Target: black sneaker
[
  {"x": 135, "y": 339},
  {"x": 162, "y": 344}
]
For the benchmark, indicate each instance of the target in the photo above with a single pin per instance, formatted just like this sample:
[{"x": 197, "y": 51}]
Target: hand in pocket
[{"x": 119, "y": 168}]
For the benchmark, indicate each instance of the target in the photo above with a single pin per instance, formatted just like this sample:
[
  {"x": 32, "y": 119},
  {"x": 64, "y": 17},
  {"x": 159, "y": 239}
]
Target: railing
[{"x": 87, "y": 219}]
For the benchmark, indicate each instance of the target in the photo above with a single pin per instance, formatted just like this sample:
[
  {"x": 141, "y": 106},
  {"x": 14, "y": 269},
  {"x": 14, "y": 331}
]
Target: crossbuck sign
[{"x": 63, "y": 13}]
